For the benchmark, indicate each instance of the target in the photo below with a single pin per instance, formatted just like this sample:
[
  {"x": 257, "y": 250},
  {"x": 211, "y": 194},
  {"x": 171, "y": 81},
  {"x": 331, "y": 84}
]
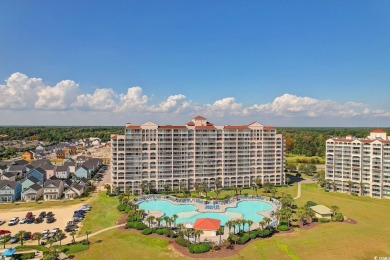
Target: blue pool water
[{"x": 187, "y": 212}]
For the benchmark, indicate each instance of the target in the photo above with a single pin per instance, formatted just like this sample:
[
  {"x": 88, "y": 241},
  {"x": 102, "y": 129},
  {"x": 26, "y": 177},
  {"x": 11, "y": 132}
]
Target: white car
[
  {"x": 45, "y": 231},
  {"x": 55, "y": 230},
  {"x": 13, "y": 221},
  {"x": 22, "y": 221}
]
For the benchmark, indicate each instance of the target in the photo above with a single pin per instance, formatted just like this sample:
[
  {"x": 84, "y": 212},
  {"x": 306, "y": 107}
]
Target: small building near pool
[
  {"x": 321, "y": 211},
  {"x": 209, "y": 226}
]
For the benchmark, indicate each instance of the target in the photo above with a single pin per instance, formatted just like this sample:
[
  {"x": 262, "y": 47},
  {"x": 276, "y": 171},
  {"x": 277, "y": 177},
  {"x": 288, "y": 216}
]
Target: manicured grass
[
  {"x": 293, "y": 158},
  {"x": 364, "y": 240},
  {"x": 73, "y": 248},
  {"x": 42, "y": 204},
  {"x": 103, "y": 214},
  {"x": 117, "y": 244},
  {"x": 32, "y": 247}
]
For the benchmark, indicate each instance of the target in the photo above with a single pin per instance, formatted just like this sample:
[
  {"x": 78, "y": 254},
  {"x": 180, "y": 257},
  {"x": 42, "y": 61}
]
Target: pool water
[{"x": 187, "y": 212}]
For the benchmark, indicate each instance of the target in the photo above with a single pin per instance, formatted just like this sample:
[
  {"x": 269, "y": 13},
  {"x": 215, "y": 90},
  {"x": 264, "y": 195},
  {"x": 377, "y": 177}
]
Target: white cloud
[
  {"x": 224, "y": 106},
  {"x": 61, "y": 96},
  {"x": 173, "y": 104},
  {"x": 133, "y": 100},
  {"x": 102, "y": 100}
]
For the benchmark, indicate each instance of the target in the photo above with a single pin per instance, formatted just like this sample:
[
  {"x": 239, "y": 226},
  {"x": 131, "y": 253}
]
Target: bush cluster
[
  {"x": 283, "y": 228},
  {"x": 136, "y": 225},
  {"x": 338, "y": 217},
  {"x": 121, "y": 207},
  {"x": 243, "y": 239},
  {"x": 323, "y": 220},
  {"x": 182, "y": 241},
  {"x": 199, "y": 248},
  {"x": 147, "y": 231},
  {"x": 161, "y": 231}
]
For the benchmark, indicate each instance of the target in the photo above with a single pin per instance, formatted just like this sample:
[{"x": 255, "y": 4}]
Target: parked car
[
  {"x": 70, "y": 228},
  {"x": 55, "y": 230},
  {"x": 38, "y": 220},
  {"x": 22, "y": 221},
  {"x": 29, "y": 215},
  {"x": 30, "y": 220},
  {"x": 42, "y": 214},
  {"x": 27, "y": 236},
  {"x": 49, "y": 214},
  {"x": 14, "y": 240},
  {"x": 50, "y": 219},
  {"x": 13, "y": 221},
  {"x": 2, "y": 221}
]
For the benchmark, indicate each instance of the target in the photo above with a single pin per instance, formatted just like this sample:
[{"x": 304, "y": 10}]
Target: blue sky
[{"x": 286, "y": 63}]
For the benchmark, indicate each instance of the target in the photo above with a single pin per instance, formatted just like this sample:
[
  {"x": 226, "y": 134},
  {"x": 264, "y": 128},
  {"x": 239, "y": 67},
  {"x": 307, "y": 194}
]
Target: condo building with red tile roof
[
  {"x": 359, "y": 166},
  {"x": 199, "y": 152}
]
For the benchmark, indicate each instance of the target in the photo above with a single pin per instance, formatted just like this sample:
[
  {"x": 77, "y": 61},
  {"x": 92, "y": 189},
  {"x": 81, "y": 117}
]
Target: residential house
[
  {"x": 28, "y": 182},
  {"x": 53, "y": 189},
  {"x": 3, "y": 168},
  {"x": 321, "y": 211},
  {"x": 20, "y": 162},
  {"x": 83, "y": 172},
  {"x": 60, "y": 154},
  {"x": 81, "y": 159},
  {"x": 33, "y": 193},
  {"x": 50, "y": 170},
  {"x": 38, "y": 173},
  {"x": 40, "y": 163},
  {"x": 67, "y": 183},
  {"x": 28, "y": 156},
  {"x": 9, "y": 176},
  {"x": 74, "y": 191},
  {"x": 18, "y": 170},
  {"x": 71, "y": 166},
  {"x": 10, "y": 191},
  {"x": 62, "y": 172}
]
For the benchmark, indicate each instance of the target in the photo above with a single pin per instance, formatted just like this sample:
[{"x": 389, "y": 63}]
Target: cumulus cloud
[
  {"x": 104, "y": 99},
  {"x": 23, "y": 93}
]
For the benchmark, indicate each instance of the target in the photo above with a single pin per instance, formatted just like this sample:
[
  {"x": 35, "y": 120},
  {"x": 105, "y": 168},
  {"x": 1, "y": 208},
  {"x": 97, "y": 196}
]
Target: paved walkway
[{"x": 305, "y": 181}]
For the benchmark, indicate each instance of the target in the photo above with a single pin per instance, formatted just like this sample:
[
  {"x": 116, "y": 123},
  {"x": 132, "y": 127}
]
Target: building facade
[
  {"x": 359, "y": 166},
  {"x": 167, "y": 157}
]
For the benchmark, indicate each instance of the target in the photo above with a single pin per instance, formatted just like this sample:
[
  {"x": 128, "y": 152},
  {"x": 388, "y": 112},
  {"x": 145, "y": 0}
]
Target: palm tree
[
  {"x": 229, "y": 224},
  {"x": 258, "y": 182},
  {"x": 234, "y": 238},
  {"x": 128, "y": 192},
  {"x": 240, "y": 189},
  {"x": 350, "y": 183},
  {"x": 288, "y": 180},
  {"x": 288, "y": 214},
  {"x": 166, "y": 219},
  {"x": 234, "y": 222},
  {"x": 73, "y": 233},
  {"x": 334, "y": 185},
  {"x": 37, "y": 236},
  {"x": 361, "y": 185},
  {"x": 166, "y": 188},
  {"x": 197, "y": 233},
  {"x": 262, "y": 224},
  {"x": 243, "y": 222},
  {"x": 21, "y": 235},
  {"x": 174, "y": 217},
  {"x": 302, "y": 213},
  {"x": 59, "y": 236},
  {"x": 267, "y": 220},
  {"x": 198, "y": 188},
  {"x": 250, "y": 222},
  {"x": 188, "y": 233},
  {"x": 159, "y": 219},
  {"x": 255, "y": 187},
  {"x": 150, "y": 219},
  {"x": 217, "y": 192},
  {"x": 273, "y": 191},
  {"x": 220, "y": 231},
  {"x": 87, "y": 233},
  {"x": 334, "y": 209},
  {"x": 6, "y": 238},
  {"x": 235, "y": 188},
  {"x": 180, "y": 226},
  {"x": 311, "y": 214}
]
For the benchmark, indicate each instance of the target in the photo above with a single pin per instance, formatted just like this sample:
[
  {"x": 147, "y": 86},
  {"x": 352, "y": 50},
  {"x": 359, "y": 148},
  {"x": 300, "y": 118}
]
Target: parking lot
[{"x": 61, "y": 214}]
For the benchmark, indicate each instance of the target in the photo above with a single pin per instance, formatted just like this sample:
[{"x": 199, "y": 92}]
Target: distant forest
[{"x": 308, "y": 141}]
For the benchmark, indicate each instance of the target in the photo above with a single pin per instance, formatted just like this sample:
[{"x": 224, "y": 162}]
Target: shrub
[
  {"x": 147, "y": 231},
  {"x": 338, "y": 217},
  {"x": 161, "y": 231},
  {"x": 354, "y": 194},
  {"x": 129, "y": 225},
  {"x": 199, "y": 248},
  {"x": 253, "y": 234},
  {"x": 283, "y": 228},
  {"x": 121, "y": 207},
  {"x": 139, "y": 226},
  {"x": 182, "y": 241},
  {"x": 310, "y": 203},
  {"x": 243, "y": 239},
  {"x": 323, "y": 220},
  {"x": 265, "y": 233}
]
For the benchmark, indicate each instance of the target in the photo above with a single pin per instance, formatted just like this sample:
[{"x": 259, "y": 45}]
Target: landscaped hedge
[
  {"x": 265, "y": 233},
  {"x": 243, "y": 238},
  {"x": 253, "y": 234},
  {"x": 147, "y": 231},
  {"x": 199, "y": 248},
  {"x": 338, "y": 217},
  {"x": 136, "y": 224},
  {"x": 323, "y": 220},
  {"x": 121, "y": 207},
  {"x": 182, "y": 241},
  {"x": 283, "y": 228},
  {"x": 161, "y": 231}
]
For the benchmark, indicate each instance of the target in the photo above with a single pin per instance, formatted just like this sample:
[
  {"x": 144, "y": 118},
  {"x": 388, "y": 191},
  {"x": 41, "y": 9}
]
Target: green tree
[
  {"x": 6, "y": 238},
  {"x": 87, "y": 233}
]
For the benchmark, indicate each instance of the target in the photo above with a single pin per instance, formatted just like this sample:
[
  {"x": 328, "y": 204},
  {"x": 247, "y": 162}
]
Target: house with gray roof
[
  {"x": 28, "y": 182},
  {"x": 62, "y": 172},
  {"x": 10, "y": 191},
  {"x": 33, "y": 193},
  {"x": 9, "y": 176},
  {"x": 75, "y": 191},
  {"x": 18, "y": 170},
  {"x": 53, "y": 189}
]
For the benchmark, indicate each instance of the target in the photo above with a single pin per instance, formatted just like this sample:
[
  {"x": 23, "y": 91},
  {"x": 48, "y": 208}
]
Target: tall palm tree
[
  {"x": 59, "y": 236},
  {"x": 361, "y": 185},
  {"x": 234, "y": 223},
  {"x": 6, "y": 238},
  {"x": 87, "y": 233},
  {"x": 255, "y": 187},
  {"x": 273, "y": 191},
  {"x": 350, "y": 184},
  {"x": 334, "y": 208},
  {"x": 166, "y": 188},
  {"x": 150, "y": 219},
  {"x": 229, "y": 224},
  {"x": 243, "y": 222},
  {"x": 262, "y": 224},
  {"x": 174, "y": 217},
  {"x": 73, "y": 233},
  {"x": 334, "y": 185},
  {"x": 220, "y": 231},
  {"x": 21, "y": 235},
  {"x": 37, "y": 236},
  {"x": 167, "y": 220},
  {"x": 258, "y": 182},
  {"x": 311, "y": 214},
  {"x": 128, "y": 192},
  {"x": 288, "y": 214},
  {"x": 249, "y": 222},
  {"x": 288, "y": 180},
  {"x": 267, "y": 220},
  {"x": 181, "y": 227},
  {"x": 159, "y": 219},
  {"x": 302, "y": 213},
  {"x": 188, "y": 233}
]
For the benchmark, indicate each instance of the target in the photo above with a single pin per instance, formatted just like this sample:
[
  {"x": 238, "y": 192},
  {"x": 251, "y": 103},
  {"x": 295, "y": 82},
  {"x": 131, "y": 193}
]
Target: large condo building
[
  {"x": 361, "y": 166},
  {"x": 167, "y": 156}
]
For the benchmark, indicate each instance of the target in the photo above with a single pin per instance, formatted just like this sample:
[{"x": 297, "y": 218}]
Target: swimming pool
[{"x": 187, "y": 212}]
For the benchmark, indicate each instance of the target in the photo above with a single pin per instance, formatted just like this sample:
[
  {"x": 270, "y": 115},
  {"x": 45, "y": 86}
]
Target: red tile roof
[
  {"x": 236, "y": 127},
  {"x": 205, "y": 127},
  {"x": 200, "y": 118},
  {"x": 191, "y": 123},
  {"x": 133, "y": 127},
  {"x": 267, "y": 127},
  {"x": 207, "y": 224},
  {"x": 172, "y": 127},
  {"x": 378, "y": 130}
]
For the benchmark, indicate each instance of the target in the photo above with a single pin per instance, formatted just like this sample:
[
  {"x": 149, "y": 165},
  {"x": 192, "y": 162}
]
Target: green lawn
[
  {"x": 117, "y": 244},
  {"x": 364, "y": 240},
  {"x": 42, "y": 204},
  {"x": 103, "y": 214},
  {"x": 293, "y": 158},
  {"x": 73, "y": 248}
]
